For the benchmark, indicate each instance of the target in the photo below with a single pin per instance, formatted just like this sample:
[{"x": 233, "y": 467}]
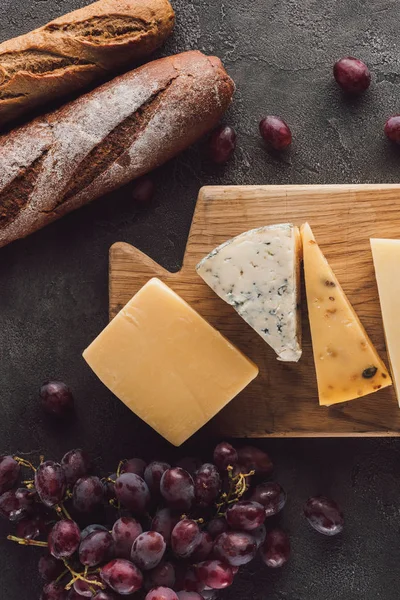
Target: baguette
[
  {"x": 106, "y": 138},
  {"x": 77, "y": 50}
]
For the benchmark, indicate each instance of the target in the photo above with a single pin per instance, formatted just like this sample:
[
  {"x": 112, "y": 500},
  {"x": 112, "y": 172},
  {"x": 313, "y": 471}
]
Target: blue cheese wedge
[{"x": 258, "y": 273}]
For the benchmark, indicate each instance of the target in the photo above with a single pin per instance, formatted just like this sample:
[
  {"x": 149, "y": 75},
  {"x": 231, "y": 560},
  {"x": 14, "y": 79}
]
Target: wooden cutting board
[{"x": 283, "y": 400}]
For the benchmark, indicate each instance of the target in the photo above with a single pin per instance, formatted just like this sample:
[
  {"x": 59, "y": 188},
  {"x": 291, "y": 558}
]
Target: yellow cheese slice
[
  {"x": 386, "y": 255},
  {"x": 346, "y": 362},
  {"x": 167, "y": 363}
]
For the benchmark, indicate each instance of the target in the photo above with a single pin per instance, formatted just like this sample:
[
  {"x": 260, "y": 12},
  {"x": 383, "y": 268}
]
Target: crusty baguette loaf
[
  {"x": 77, "y": 50},
  {"x": 106, "y": 138}
]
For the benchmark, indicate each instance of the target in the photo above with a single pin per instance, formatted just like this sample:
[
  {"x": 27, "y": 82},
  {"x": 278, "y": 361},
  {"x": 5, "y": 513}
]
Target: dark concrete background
[{"x": 53, "y": 285}]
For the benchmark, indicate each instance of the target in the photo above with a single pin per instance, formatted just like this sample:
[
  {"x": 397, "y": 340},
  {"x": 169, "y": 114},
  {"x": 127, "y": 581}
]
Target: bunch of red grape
[{"x": 176, "y": 533}]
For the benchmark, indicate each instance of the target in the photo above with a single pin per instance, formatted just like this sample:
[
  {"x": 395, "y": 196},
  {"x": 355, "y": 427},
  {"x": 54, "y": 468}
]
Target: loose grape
[
  {"x": 185, "y": 538},
  {"x": 259, "y": 535},
  {"x": 162, "y": 575},
  {"x": 143, "y": 190},
  {"x": 152, "y": 476},
  {"x": 207, "y": 484},
  {"x": 275, "y": 132},
  {"x": 133, "y": 493},
  {"x": 53, "y": 591},
  {"x": 203, "y": 548},
  {"x": 56, "y": 398},
  {"x": 87, "y": 589},
  {"x": 148, "y": 550},
  {"x": 225, "y": 455},
  {"x": 64, "y": 539},
  {"x": 50, "y": 568},
  {"x": 88, "y": 494},
  {"x": 9, "y": 473},
  {"x": 235, "y": 547},
  {"x": 324, "y": 515},
  {"x": 76, "y": 464},
  {"x": 275, "y": 551},
  {"x": 95, "y": 548},
  {"x": 124, "y": 533},
  {"x": 122, "y": 576},
  {"x": 352, "y": 75},
  {"x": 164, "y": 522},
  {"x": 217, "y": 526},
  {"x": 245, "y": 515},
  {"x": 161, "y": 593},
  {"x": 271, "y": 495},
  {"x": 222, "y": 144},
  {"x": 50, "y": 483},
  {"x": 177, "y": 487},
  {"x": 134, "y": 465},
  {"x": 392, "y": 129},
  {"x": 255, "y": 460},
  {"x": 215, "y": 574}
]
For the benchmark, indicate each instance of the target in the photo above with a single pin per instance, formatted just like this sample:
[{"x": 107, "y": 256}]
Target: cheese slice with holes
[
  {"x": 386, "y": 255},
  {"x": 167, "y": 363},
  {"x": 346, "y": 362},
  {"x": 258, "y": 273}
]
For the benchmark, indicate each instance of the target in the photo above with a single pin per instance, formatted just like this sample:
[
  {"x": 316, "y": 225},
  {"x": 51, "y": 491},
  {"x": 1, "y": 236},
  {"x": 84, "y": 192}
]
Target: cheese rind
[
  {"x": 346, "y": 362},
  {"x": 386, "y": 256},
  {"x": 258, "y": 273},
  {"x": 167, "y": 363}
]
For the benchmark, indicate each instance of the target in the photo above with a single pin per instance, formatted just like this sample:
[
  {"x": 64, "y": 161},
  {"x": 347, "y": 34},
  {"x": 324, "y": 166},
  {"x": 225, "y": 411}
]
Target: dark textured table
[{"x": 53, "y": 285}]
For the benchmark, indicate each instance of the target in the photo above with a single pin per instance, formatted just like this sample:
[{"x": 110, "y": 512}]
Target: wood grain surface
[{"x": 283, "y": 400}]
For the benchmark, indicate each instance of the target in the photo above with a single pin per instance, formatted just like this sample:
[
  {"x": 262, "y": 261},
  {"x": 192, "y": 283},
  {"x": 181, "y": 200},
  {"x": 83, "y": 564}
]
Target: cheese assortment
[
  {"x": 347, "y": 364},
  {"x": 168, "y": 364},
  {"x": 258, "y": 273},
  {"x": 386, "y": 257}
]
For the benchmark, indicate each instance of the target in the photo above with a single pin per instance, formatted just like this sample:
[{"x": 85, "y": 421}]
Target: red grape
[
  {"x": 134, "y": 465},
  {"x": 122, "y": 576},
  {"x": 275, "y": 551},
  {"x": 162, "y": 575},
  {"x": 76, "y": 464},
  {"x": 161, "y": 593},
  {"x": 88, "y": 494},
  {"x": 189, "y": 464},
  {"x": 185, "y": 538},
  {"x": 152, "y": 476},
  {"x": 217, "y": 526},
  {"x": 259, "y": 535},
  {"x": 235, "y": 547},
  {"x": 143, "y": 189},
  {"x": 53, "y": 591},
  {"x": 85, "y": 589},
  {"x": 324, "y": 515},
  {"x": 203, "y": 548},
  {"x": 207, "y": 484},
  {"x": 148, "y": 550},
  {"x": 95, "y": 548},
  {"x": 164, "y": 522},
  {"x": 124, "y": 532},
  {"x": 56, "y": 398},
  {"x": 177, "y": 487},
  {"x": 32, "y": 529},
  {"x": 133, "y": 493},
  {"x": 187, "y": 579},
  {"x": 50, "y": 483},
  {"x": 183, "y": 595},
  {"x": 271, "y": 495},
  {"x": 64, "y": 539},
  {"x": 9, "y": 473},
  {"x": 392, "y": 128},
  {"x": 245, "y": 515},
  {"x": 50, "y": 568},
  {"x": 9, "y": 505},
  {"x": 215, "y": 574},
  {"x": 276, "y": 132},
  {"x": 90, "y": 528},
  {"x": 222, "y": 144},
  {"x": 352, "y": 75},
  {"x": 225, "y": 455},
  {"x": 256, "y": 460}
]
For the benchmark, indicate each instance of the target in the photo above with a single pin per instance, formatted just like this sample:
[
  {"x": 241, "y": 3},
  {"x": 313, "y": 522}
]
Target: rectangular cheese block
[
  {"x": 346, "y": 362},
  {"x": 386, "y": 256},
  {"x": 258, "y": 273},
  {"x": 167, "y": 363}
]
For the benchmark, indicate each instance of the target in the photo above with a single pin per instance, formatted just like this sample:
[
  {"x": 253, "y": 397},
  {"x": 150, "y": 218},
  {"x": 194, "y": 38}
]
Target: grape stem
[
  {"x": 62, "y": 511},
  {"x": 237, "y": 488},
  {"x": 120, "y": 465},
  {"x": 82, "y": 577},
  {"x": 26, "y": 542},
  {"x": 24, "y": 463}
]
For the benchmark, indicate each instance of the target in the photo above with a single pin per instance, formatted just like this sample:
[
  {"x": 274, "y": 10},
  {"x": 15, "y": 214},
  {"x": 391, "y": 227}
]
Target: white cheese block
[{"x": 258, "y": 273}]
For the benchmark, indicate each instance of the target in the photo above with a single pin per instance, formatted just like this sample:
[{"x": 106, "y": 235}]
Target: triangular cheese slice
[
  {"x": 386, "y": 255},
  {"x": 258, "y": 273},
  {"x": 346, "y": 362}
]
